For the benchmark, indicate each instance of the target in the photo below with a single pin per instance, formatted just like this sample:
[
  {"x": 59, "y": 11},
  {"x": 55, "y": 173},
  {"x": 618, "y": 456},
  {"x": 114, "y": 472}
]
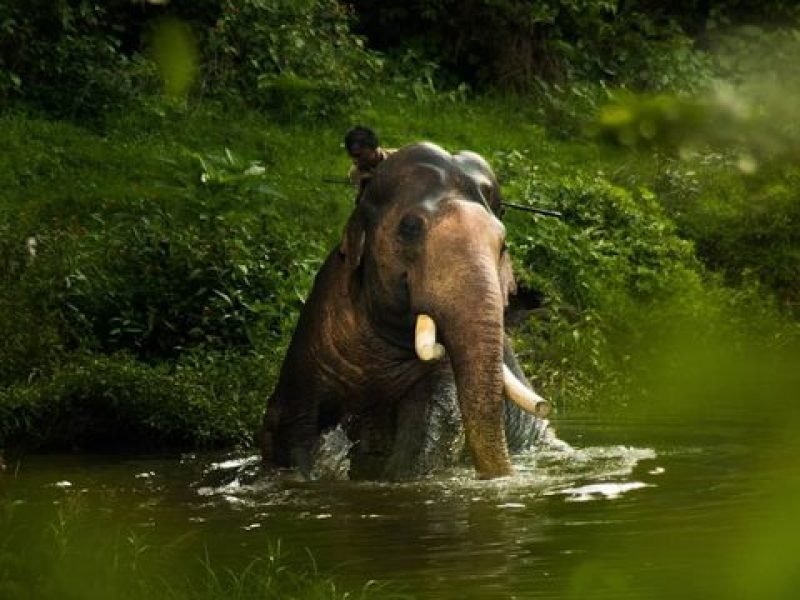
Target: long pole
[{"x": 538, "y": 211}]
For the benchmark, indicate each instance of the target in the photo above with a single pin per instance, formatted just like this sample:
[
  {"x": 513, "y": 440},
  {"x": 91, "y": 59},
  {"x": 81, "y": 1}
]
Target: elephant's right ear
[{"x": 352, "y": 247}]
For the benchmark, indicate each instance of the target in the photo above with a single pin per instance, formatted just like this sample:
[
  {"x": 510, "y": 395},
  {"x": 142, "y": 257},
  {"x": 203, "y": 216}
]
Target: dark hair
[{"x": 360, "y": 136}]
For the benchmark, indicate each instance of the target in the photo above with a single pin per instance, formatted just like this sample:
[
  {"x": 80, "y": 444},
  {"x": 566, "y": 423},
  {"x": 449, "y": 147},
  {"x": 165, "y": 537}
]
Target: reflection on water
[{"x": 630, "y": 512}]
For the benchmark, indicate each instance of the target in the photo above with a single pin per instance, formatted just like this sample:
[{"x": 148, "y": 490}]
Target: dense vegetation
[{"x": 163, "y": 208}]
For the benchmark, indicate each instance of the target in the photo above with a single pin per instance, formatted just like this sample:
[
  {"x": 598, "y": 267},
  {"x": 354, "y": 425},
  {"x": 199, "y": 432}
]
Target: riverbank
[{"x": 174, "y": 245}]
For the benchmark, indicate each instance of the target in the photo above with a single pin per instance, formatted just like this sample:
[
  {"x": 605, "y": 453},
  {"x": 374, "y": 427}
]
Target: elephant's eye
[
  {"x": 411, "y": 228},
  {"x": 503, "y": 250}
]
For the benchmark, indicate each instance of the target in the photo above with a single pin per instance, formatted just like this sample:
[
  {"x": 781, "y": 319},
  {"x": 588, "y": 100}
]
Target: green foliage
[
  {"x": 301, "y": 60},
  {"x": 409, "y": 76},
  {"x": 748, "y": 109},
  {"x": 298, "y": 59},
  {"x": 65, "y": 58},
  {"x": 523, "y": 45},
  {"x": 192, "y": 266},
  {"x": 636, "y": 120},
  {"x": 613, "y": 258},
  {"x": 744, "y": 226},
  {"x": 93, "y": 402},
  {"x": 623, "y": 238},
  {"x": 21, "y": 354},
  {"x": 726, "y": 168},
  {"x": 79, "y": 59},
  {"x": 747, "y": 52},
  {"x": 137, "y": 281}
]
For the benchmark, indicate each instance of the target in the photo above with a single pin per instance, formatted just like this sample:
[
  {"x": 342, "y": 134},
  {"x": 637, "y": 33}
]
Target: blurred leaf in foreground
[{"x": 174, "y": 51}]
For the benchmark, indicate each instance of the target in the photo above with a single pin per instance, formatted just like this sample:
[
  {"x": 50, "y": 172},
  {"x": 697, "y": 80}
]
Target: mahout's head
[{"x": 361, "y": 144}]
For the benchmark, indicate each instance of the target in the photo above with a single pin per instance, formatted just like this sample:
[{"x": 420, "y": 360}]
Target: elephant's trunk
[
  {"x": 472, "y": 335},
  {"x": 458, "y": 281},
  {"x": 476, "y": 355}
]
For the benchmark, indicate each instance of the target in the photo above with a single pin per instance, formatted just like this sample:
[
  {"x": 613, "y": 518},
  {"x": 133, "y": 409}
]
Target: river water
[{"x": 635, "y": 510}]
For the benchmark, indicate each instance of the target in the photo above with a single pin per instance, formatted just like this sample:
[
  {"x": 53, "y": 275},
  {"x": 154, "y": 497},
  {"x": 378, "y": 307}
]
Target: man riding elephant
[
  {"x": 363, "y": 148},
  {"x": 401, "y": 341}
]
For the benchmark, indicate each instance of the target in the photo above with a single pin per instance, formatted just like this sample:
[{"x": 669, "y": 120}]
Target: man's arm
[{"x": 354, "y": 175}]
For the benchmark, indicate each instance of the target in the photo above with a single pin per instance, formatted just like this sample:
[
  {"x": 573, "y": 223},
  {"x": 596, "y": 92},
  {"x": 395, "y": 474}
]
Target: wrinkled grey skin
[{"x": 423, "y": 239}]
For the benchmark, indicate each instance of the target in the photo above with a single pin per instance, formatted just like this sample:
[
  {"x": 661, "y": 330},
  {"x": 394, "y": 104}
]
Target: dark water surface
[{"x": 638, "y": 510}]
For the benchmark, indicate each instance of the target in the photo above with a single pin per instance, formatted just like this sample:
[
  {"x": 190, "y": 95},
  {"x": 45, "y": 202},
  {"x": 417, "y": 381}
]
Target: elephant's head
[{"x": 424, "y": 247}]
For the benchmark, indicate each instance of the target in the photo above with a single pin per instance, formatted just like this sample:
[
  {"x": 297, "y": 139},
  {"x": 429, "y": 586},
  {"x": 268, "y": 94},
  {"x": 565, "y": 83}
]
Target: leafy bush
[
  {"x": 409, "y": 76},
  {"x": 725, "y": 161},
  {"x": 140, "y": 283},
  {"x": 613, "y": 263},
  {"x": 154, "y": 278},
  {"x": 619, "y": 291},
  {"x": 150, "y": 331},
  {"x": 296, "y": 58},
  {"x": 78, "y": 59},
  {"x": 65, "y": 58},
  {"x": 24, "y": 351},
  {"x": 524, "y": 45},
  {"x": 726, "y": 169},
  {"x": 116, "y": 402},
  {"x": 745, "y": 226}
]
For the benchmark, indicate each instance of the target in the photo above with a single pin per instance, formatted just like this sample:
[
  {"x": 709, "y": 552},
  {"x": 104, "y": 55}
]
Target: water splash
[
  {"x": 235, "y": 477},
  {"x": 229, "y": 477},
  {"x": 593, "y": 473},
  {"x": 545, "y": 438},
  {"x": 331, "y": 458},
  {"x": 551, "y": 468},
  {"x": 592, "y": 462}
]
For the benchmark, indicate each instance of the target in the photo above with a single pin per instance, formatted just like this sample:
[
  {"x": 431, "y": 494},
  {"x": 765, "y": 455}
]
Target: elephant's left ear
[
  {"x": 352, "y": 246},
  {"x": 507, "y": 282}
]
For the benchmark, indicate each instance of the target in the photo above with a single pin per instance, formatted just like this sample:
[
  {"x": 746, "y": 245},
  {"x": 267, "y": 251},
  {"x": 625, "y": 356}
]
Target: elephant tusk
[
  {"x": 425, "y": 339},
  {"x": 523, "y": 396}
]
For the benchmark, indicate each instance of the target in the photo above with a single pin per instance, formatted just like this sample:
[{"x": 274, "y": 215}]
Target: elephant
[{"x": 401, "y": 341}]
